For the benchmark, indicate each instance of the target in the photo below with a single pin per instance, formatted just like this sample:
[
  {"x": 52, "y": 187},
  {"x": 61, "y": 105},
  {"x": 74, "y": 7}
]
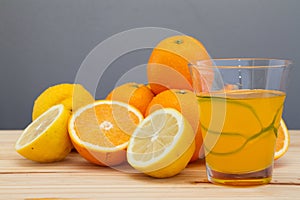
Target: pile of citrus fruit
[{"x": 154, "y": 127}]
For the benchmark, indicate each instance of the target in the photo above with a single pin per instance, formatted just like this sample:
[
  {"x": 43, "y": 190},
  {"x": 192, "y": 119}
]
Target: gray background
[{"x": 43, "y": 42}]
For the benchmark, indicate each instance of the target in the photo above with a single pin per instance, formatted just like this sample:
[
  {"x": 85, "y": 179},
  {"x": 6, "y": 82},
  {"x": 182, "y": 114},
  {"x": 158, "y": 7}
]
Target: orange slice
[
  {"x": 100, "y": 131},
  {"x": 283, "y": 140}
]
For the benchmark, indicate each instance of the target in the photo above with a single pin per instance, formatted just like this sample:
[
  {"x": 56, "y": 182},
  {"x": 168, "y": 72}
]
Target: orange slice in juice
[{"x": 283, "y": 140}]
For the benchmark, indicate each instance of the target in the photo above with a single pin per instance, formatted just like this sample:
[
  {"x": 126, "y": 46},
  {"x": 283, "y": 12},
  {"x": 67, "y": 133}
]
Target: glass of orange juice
[{"x": 241, "y": 102}]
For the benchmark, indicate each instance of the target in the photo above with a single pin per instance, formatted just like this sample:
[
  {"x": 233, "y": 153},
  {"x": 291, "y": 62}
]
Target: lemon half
[
  {"x": 162, "y": 144},
  {"x": 46, "y": 139}
]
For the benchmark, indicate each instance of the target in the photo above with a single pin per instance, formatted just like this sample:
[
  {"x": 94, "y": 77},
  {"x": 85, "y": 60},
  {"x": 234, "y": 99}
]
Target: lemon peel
[{"x": 72, "y": 96}]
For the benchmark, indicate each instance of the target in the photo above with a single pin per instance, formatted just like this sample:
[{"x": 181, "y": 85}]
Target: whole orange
[
  {"x": 168, "y": 64},
  {"x": 185, "y": 102},
  {"x": 137, "y": 95}
]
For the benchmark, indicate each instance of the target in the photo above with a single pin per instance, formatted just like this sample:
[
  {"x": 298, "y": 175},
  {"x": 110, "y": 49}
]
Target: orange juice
[{"x": 239, "y": 129}]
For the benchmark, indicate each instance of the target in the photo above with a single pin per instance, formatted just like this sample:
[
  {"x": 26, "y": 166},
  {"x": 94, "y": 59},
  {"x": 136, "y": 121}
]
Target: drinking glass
[{"x": 241, "y": 102}]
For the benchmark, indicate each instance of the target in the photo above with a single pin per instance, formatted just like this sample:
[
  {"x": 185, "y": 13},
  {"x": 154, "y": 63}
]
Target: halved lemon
[
  {"x": 282, "y": 141},
  {"x": 100, "y": 131},
  {"x": 46, "y": 139},
  {"x": 162, "y": 144}
]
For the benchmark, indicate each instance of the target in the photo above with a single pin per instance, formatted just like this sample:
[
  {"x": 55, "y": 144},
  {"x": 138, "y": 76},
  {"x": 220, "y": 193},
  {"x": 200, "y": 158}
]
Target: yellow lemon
[
  {"x": 72, "y": 96},
  {"x": 162, "y": 145},
  {"x": 46, "y": 139}
]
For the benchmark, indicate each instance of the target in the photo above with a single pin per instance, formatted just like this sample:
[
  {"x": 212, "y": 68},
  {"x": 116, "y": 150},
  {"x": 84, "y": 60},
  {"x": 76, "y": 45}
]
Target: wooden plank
[
  {"x": 265, "y": 192},
  {"x": 286, "y": 169},
  {"x": 76, "y": 178},
  {"x": 78, "y": 186}
]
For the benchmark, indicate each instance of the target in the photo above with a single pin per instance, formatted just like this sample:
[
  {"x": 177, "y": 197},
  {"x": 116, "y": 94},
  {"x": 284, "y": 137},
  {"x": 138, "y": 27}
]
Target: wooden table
[{"x": 76, "y": 178}]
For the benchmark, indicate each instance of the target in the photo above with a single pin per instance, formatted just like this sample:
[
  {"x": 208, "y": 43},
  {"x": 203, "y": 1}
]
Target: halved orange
[
  {"x": 100, "y": 131},
  {"x": 282, "y": 141}
]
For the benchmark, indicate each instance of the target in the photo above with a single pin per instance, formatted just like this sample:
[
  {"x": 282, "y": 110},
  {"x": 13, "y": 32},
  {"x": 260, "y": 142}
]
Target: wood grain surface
[{"x": 75, "y": 178}]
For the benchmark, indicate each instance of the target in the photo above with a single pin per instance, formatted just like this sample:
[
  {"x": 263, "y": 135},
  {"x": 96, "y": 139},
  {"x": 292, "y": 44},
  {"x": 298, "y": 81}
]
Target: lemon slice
[
  {"x": 162, "y": 145},
  {"x": 46, "y": 139}
]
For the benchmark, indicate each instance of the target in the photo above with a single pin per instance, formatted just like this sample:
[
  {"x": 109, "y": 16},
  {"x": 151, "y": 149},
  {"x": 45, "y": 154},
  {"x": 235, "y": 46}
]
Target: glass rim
[{"x": 279, "y": 63}]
